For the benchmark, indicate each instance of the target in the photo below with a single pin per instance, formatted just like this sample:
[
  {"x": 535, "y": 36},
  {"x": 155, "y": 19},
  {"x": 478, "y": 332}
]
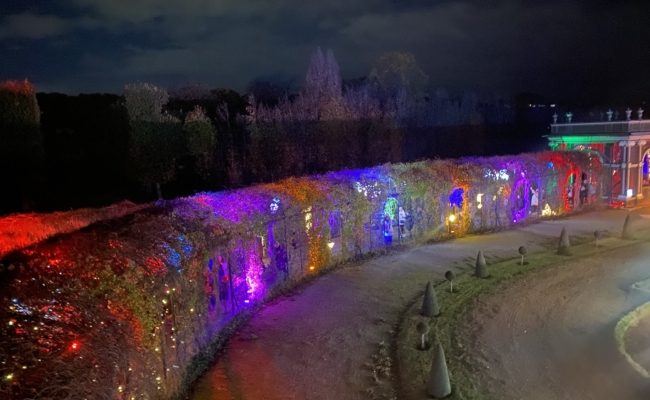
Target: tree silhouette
[
  {"x": 522, "y": 252},
  {"x": 397, "y": 71},
  {"x": 423, "y": 329},
  {"x": 564, "y": 244},
  {"x": 481, "y": 266},
  {"x": 21, "y": 145},
  {"x": 430, "y": 306},
  {"x": 627, "y": 228},
  {"x": 438, "y": 384},
  {"x": 154, "y": 141},
  {"x": 199, "y": 138},
  {"x": 450, "y": 276}
]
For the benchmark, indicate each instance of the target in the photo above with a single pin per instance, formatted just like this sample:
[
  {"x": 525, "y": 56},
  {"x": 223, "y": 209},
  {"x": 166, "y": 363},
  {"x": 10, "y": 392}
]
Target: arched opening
[
  {"x": 454, "y": 216},
  {"x": 586, "y": 189},
  {"x": 389, "y": 217},
  {"x": 645, "y": 169},
  {"x": 520, "y": 200},
  {"x": 534, "y": 196},
  {"x": 570, "y": 191}
]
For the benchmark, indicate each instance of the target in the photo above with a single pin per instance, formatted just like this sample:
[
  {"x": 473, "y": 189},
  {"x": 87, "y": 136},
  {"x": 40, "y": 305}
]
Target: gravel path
[
  {"x": 317, "y": 344},
  {"x": 551, "y": 334}
]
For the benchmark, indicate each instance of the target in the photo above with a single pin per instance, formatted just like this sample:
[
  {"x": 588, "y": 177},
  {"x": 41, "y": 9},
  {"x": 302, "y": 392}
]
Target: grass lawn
[{"x": 413, "y": 365}]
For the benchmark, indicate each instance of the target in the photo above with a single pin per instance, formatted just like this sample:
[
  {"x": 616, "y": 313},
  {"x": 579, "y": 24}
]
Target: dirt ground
[
  {"x": 550, "y": 335},
  {"x": 323, "y": 342}
]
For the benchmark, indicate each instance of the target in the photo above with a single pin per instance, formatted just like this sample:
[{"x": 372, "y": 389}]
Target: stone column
[
  {"x": 639, "y": 168},
  {"x": 624, "y": 170}
]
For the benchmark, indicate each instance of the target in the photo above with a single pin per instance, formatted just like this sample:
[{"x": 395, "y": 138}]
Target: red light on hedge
[{"x": 74, "y": 346}]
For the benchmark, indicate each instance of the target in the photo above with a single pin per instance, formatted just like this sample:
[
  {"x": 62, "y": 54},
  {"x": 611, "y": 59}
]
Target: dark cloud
[
  {"x": 33, "y": 26},
  {"x": 559, "y": 48}
]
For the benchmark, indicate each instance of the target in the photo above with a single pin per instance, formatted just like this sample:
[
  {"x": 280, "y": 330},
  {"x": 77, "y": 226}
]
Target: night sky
[{"x": 589, "y": 50}]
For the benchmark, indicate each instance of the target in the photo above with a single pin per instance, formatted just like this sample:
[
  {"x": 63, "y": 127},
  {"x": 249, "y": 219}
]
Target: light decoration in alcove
[
  {"x": 456, "y": 205},
  {"x": 520, "y": 199},
  {"x": 479, "y": 200},
  {"x": 173, "y": 257},
  {"x": 500, "y": 175},
  {"x": 275, "y": 205},
  {"x": 253, "y": 272},
  {"x": 390, "y": 208},
  {"x": 547, "y": 211},
  {"x": 370, "y": 190},
  {"x": 456, "y": 198},
  {"x": 308, "y": 222},
  {"x": 360, "y": 188}
]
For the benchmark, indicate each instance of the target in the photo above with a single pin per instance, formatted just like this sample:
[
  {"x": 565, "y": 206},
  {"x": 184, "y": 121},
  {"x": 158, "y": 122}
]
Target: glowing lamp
[
  {"x": 74, "y": 345},
  {"x": 479, "y": 206},
  {"x": 330, "y": 245},
  {"x": 630, "y": 193},
  {"x": 311, "y": 268},
  {"x": 452, "y": 218}
]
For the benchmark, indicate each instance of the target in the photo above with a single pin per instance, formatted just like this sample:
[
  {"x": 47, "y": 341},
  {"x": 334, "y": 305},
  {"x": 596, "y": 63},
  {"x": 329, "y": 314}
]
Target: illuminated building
[{"x": 623, "y": 147}]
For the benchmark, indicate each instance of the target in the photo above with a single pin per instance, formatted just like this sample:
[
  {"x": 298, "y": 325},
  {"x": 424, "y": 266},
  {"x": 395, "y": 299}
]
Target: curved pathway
[
  {"x": 550, "y": 335},
  {"x": 319, "y": 343}
]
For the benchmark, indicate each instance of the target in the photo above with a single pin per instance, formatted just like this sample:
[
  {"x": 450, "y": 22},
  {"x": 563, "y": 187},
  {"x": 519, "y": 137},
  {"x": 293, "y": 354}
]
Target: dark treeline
[{"x": 61, "y": 151}]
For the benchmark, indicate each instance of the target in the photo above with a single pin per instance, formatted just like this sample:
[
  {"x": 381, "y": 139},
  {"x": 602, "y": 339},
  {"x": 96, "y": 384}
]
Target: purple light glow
[{"x": 254, "y": 270}]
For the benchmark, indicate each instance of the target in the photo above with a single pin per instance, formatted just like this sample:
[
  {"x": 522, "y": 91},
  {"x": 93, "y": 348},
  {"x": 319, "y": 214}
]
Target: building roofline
[{"x": 621, "y": 122}]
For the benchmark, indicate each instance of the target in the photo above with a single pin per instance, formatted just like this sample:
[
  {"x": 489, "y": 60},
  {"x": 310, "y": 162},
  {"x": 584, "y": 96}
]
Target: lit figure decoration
[
  {"x": 456, "y": 198},
  {"x": 547, "y": 211},
  {"x": 390, "y": 208},
  {"x": 308, "y": 222},
  {"x": 387, "y": 227},
  {"x": 275, "y": 205},
  {"x": 456, "y": 205}
]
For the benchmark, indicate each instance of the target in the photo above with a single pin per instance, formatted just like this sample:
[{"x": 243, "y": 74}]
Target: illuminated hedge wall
[{"x": 120, "y": 309}]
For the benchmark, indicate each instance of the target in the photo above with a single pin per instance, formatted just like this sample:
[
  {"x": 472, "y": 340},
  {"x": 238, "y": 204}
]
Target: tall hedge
[
  {"x": 21, "y": 147},
  {"x": 127, "y": 308}
]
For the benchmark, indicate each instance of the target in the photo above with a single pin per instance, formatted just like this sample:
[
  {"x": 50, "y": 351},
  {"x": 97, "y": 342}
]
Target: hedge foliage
[{"x": 125, "y": 307}]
